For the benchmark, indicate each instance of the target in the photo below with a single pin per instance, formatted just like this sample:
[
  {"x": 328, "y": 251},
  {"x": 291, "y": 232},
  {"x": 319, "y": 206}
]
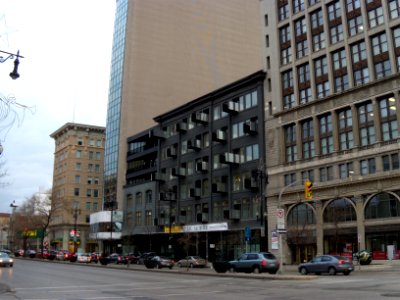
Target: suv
[{"x": 256, "y": 262}]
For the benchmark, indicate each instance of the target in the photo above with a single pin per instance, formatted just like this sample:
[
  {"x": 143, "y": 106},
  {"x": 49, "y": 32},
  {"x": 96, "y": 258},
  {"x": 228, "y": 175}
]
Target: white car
[{"x": 83, "y": 257}]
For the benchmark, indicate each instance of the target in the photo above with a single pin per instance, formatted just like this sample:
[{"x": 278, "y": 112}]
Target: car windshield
[{"x": 3, "y": 255}]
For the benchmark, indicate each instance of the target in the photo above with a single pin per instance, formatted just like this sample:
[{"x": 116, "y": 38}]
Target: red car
[{"x": 63, "y": 255}]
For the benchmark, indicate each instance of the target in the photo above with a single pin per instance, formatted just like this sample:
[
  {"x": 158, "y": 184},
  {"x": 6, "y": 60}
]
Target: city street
[{"x": 29, "y": 280}]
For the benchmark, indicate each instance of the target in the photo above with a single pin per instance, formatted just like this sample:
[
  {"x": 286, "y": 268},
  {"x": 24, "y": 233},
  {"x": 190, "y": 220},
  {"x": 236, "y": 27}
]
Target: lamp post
[
  {"x": 13, "y": 205},
  {"x": 75, "y": 215},
  {"x": 14, "y": 73},
  {"x": 280, "y": 233}
]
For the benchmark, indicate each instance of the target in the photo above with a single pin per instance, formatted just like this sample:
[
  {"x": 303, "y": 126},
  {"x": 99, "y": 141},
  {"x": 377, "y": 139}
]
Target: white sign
[
  {"x": 280, "y": 218},
  {"x": 206, "y": 227}
]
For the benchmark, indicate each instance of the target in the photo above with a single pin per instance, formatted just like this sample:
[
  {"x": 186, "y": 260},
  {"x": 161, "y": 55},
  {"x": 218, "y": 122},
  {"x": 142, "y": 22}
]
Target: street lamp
[
  {"x": 14, "y": 74},
  {"x": 13, "y": 205},
  {"x": 280, "y": 233},
  {"x": 75, "y": 215}
]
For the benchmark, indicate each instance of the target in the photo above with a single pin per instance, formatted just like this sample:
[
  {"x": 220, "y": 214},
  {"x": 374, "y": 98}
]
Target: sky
[{"x": 64, "y": 77}]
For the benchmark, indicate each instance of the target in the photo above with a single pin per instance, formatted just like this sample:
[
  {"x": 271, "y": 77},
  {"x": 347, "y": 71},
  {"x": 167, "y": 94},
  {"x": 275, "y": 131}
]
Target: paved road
[{"x": 33, "y": 280}]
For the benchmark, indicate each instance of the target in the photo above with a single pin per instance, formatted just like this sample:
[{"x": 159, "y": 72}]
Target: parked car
[
  {"x": 330, "y": 264},
  {"x": 145, "y": 256},
  {"x": 19, "y": 252},
  {"x": 192, "y": 262},
  {"x": 256, "y": 262},
  {"x": 31, "y": 253},
  {"x": 6, "y": 260},
  {"x": 95, "y": 257},
  {"x": 63, "y": 255},
  {"x": 158, "y": 262},
  {"x": 83, "y": 257},
  {"x": 117, "y": 259},
  {"x": 133, "y": 258}
]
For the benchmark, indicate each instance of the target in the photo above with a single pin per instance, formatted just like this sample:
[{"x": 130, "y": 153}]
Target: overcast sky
[{"x": 64, "y": 77}]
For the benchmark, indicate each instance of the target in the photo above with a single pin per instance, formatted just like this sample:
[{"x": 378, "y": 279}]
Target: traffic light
[{"x": 308, "y": 190}]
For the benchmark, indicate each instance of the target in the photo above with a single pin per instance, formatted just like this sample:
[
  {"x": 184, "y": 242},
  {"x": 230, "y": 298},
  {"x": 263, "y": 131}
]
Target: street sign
[
  {"x": 282, "y": 231},
  {"x": 280, "y": 218},
  {"x": 247, "y": 234}
]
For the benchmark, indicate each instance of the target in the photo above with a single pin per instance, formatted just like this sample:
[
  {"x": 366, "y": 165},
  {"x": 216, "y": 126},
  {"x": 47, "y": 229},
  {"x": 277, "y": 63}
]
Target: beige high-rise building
[
  {"x": 77, "y": 185},
  {"x": 167, "y": 53},
  {"x": 332, "y": 117}
]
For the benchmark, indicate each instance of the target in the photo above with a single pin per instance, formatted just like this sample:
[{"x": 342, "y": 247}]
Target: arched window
[
  {"x": 382, "y": 206},
  {"x": 149, "y": 196},
  {"x": 138, "y": 200},
  {"x": 129, "y": 202},
  {"x": 302, "y": 214},
  {"x": 340, "y": 210}
]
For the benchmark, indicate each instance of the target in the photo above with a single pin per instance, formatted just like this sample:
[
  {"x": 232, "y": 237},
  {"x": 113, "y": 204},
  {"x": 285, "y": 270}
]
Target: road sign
[
  {"x": 280, "y": 218},
  {"x": 247, "y": 233}
]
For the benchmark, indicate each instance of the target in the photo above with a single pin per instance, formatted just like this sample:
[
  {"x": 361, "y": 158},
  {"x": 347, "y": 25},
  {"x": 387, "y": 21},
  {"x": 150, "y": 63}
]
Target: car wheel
[
  {"x": 332, "y": 271},
  {"x": 191, "y": 266},
  {"x": 346, "y": 273},
  {"x": 256, "y": 270},
  {"x": 158, "y": 266},
  {"x": 303, "y": 271},
  {"x": 273, "y": 272},
  {"x": 11, "y": 265}
]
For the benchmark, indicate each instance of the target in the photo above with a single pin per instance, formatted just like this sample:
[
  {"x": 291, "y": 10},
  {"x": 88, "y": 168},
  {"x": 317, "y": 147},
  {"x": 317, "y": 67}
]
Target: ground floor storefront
[{"x": 211, "y": 241}]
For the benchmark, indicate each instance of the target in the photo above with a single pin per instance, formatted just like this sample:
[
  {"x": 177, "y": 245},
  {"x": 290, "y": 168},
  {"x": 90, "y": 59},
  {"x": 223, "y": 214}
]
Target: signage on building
[
  {"x": 206, "y": 227},
  {"x": 280, "y": 218}
]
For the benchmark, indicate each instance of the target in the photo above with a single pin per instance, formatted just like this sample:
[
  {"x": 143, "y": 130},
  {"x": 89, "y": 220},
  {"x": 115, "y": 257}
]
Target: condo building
[
  {"x": 195, "y": 181},
  {"x": 332, "y": 116}
]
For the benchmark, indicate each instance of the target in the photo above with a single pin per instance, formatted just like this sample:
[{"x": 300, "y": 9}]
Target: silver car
[
  {"x": 255, "y": 262},
  {"x": 192, "y": 262},
  {"x": 330, "y": 264},
  {"x": 6, "y": 260}
]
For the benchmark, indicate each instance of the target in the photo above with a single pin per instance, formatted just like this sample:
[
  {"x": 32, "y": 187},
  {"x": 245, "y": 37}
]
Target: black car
[
  {"x": 145, "y": 256},
  {"x": 159, "y": 262},
  {"x": 116, "y": 258}
]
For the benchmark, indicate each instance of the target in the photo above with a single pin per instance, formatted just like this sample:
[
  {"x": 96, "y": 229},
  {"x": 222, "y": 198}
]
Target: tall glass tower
[{"x": 114, "y": 105}]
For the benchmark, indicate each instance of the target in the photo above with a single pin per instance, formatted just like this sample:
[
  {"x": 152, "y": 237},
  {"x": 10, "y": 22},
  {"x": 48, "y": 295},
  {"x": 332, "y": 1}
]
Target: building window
[
  {"x": 76, "y": 191},
  {"x": 91, "y": 155},
  {"x": 355, "y": 25},
  {"x": 89, "y": 193},
  {"x": 336, "y": 33},
  {"x": 285, "y": 35},
  {"x": 382, "y": 69},
  {"x": 383, "y": 205},
  {"x": 88, "y": 205},
  {"x": 339, "y": 60},
  {"x": 346, "y": 129},
  {"x": 252, "y": 152},
  {"x": 138, "y": 218},
  {"x": 367, "y": 166},
  {"x": 305, "y": 95},
  {"x": 352, "y": 5},
  {"x": 77, "y": 179},
  {"x": 346, "y": 170},
  {"x": 283, "y": 11},
  {"x": 387, "y": 107},
  {"x": 308, "y": 139},
  {"x": 301, "y": 49},
  {"x": 323, "y": 89},
  {"x": 138, "y": 199},
  {"x": 366, "y": 124},
  {"x": 149, "y": 196},
  {"x": 301, "y": 215},
  {"x": 149, "y": 218},
  {"x": 298, "y": 6},
  {"x": 326, "y": 174},
  {"x": 375, "y": 17},
  {"x": 340, "y": 210},
  {"x": 95, "y": 206},
  {"x": 334, "y": 11},
  {"x": 301, "y": 27},
  {"x": 379, "y": 44},
  {"x": 290, "y": 179},
  {"x": 321, "y": 67},
  {"x": 289, "y": 101},
  {"x": 326, "y": 134},
  {"x": 78, "y": 154},
  {"x": 318, "y": 41},
  {"x": 286, "y": 56},
  {"x": 396, "y": 41},
  {"x": 291, "y": 147},
  {"x": 390, "y": 162},
  {"x": 360, "y": 63},
  {"x": 394, "y": 8},
  {"x": 307, "y": 175}
]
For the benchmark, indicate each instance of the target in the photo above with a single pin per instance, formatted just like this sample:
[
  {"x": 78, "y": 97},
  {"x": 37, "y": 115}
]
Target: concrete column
[
  {"x": 65, "y": 245},
  {"x": 377, "y": 125},
  {"x": 360, "y": 222},
  {"x": 319, "y": 228},
  {"x": 335, "y": 129},
  {"x": 356, "y": 130}
]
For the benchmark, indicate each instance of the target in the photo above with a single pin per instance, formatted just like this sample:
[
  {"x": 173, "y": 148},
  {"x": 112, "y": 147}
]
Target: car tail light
[
  {"x": 341, "y": 262},
  {"x": 264, "y": 263}
]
